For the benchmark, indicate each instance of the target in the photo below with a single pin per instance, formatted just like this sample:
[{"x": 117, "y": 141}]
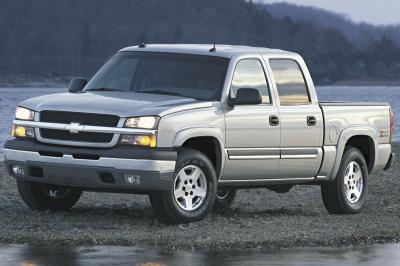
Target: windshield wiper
[
  {"x": 104, "y": 89},
  {"x": 162, "y": 92}
]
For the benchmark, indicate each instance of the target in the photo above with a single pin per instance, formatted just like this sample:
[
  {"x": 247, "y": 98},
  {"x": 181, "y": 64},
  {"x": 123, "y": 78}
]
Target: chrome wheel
[
  {"x": 353, "y": 182},
  {"x": 190, "y": 188}
]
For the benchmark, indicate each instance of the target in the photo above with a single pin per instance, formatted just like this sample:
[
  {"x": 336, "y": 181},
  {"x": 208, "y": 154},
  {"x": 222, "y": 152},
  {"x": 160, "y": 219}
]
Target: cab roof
[{"x": 221, "y": 50}]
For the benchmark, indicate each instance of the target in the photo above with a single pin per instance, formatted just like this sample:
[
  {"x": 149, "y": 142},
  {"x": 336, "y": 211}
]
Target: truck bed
[{"x": 341, "y": 115}]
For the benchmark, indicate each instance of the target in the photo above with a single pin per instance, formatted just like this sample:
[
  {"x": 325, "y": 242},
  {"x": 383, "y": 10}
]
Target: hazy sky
[{"x": 372, "y": 11}]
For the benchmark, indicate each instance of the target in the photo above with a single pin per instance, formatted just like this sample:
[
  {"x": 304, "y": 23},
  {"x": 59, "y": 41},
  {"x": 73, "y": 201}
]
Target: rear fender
[{"x": 344, "y": 137}]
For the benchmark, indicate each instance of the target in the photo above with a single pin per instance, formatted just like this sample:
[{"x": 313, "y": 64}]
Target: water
[
  {"x": 109, "y": 255},
  {"x": 10, "y": 97}
]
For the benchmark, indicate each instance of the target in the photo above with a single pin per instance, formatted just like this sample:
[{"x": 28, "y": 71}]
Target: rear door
[
  {"x": 252, "y": 131},
  {"x": 300, "y": 118}
]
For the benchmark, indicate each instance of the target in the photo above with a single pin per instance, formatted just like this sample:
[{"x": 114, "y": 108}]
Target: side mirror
[
  {"x": 246, "y": 96},
  {"x": 77, "y": 85}
]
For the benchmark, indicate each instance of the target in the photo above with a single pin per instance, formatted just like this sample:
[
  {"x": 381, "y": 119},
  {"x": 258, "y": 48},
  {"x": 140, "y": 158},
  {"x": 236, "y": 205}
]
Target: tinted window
[
  {"x": 194, "y": 76},
  {"x": 289, "y": 79},
  {"x": 249, "y": 73}
]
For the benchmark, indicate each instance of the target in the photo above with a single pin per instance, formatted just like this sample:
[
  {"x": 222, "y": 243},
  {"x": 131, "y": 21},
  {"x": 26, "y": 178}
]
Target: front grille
[
  {"x": 64, "y": 135},
  {"x": 81, "y": 118},
  {"x": 102, "y": 120}
]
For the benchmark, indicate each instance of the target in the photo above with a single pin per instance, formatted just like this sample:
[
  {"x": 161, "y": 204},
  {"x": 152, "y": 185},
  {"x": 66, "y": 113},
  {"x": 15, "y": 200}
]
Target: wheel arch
[
  {"x": 208, "y": 140},
  {"x": 362, "y": 138}
]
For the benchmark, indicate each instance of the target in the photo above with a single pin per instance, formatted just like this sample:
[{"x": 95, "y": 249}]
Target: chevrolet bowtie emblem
[{"x": 73, "y": 128}]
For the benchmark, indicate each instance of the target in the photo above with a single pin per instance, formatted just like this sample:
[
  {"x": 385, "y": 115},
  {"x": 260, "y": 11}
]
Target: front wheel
[
  {"x": 347, "y": 194},
  {"x": 192, "y": 194},
  {"x": 43, "y": 197}
]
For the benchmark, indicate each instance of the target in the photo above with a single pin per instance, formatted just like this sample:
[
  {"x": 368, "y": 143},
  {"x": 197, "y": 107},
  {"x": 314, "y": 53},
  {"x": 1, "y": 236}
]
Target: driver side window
[{"x": 249, "y": 73}]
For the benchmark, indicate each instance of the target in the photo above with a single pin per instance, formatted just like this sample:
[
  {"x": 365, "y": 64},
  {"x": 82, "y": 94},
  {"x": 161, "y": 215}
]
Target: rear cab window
[{"x": 291, "y": 85}]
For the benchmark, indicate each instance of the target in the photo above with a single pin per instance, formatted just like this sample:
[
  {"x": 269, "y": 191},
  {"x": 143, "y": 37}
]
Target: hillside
[
  {"x": 74, "y": 37},
  {"x": 359, "y": 33}
]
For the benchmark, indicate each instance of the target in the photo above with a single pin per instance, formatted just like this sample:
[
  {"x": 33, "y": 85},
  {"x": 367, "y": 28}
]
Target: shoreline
[
  {"x": 30, "y": 81},
  {"x": 166, "y": 246},
  {"x": 365, "y": 82},
  {"x": 259, "y": 219}
]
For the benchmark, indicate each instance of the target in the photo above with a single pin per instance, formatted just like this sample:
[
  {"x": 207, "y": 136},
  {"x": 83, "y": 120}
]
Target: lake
[{"x": 110, "y": 255}]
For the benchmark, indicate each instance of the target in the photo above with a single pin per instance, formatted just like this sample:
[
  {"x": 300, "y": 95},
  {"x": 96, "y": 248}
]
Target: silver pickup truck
[{"x": 191, "y": 124}]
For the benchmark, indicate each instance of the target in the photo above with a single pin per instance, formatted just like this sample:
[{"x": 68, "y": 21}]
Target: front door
[
  {"x": 252, "y": 131},
  {"x": 301, "y": 122}
]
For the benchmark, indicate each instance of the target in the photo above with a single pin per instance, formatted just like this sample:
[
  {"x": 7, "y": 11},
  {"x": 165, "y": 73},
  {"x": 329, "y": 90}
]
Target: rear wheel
[
  {"x": 43, "y": 197},
  {"x": 347, "y": 194},
  {"x": 192, "y": 194},
  {"x": 225, "y": 198}
]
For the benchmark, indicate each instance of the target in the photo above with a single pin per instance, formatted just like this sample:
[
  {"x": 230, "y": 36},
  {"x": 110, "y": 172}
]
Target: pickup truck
[{"x": 189, "y": 125}]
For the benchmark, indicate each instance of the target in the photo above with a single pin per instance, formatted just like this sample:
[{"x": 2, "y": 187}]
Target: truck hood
[{"x": 123, "y": 104}]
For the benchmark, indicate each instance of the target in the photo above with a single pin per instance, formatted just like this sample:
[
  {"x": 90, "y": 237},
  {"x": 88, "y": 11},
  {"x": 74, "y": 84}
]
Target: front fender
[
  {"x": 201, "y": 131},
  {"x": 198, "y": 131}
]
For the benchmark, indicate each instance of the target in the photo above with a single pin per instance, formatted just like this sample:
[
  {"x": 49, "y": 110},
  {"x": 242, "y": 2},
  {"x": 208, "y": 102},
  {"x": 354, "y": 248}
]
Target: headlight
[
  {"x": 145, "y": 122},
  {"x": 22, "y": 113}
]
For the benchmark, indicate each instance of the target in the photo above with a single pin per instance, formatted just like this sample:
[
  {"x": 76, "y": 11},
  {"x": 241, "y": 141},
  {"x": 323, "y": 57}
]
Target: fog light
[
  {"x": 143, "y": 140},
  {"x": 139, "y": 140},
  {"x": 132, "y": 179},
  {"x": 23, "y": 132},
  {"x": 18, "y": 170}
]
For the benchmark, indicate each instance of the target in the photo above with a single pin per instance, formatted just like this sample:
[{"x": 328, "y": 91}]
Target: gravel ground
[{"x": 259, "y": 219}]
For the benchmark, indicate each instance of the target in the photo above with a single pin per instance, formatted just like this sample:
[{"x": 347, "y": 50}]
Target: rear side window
[
  {"x": 249, "y": 73},
  {"x": 292, "y": 88}
]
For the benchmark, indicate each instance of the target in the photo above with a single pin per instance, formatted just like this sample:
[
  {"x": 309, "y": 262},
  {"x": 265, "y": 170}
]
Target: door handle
[
  {"x": 273, "y": 120},
  {"x": 311, "y": 121}
]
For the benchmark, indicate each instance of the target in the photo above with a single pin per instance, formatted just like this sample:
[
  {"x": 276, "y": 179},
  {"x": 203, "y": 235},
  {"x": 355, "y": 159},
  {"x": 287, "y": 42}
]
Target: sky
[{"x": 378, "y": 12}]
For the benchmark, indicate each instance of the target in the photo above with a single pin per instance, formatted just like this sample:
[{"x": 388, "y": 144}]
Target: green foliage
[{"x": 74, "y": 37}]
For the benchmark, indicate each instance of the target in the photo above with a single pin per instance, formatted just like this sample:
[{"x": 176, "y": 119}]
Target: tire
[
  {"x": 224, "y": 198},
  {"x": 347, "y": 194},
  {"x": 41, "y": 197},
  {"x": 189, "y": 199}
]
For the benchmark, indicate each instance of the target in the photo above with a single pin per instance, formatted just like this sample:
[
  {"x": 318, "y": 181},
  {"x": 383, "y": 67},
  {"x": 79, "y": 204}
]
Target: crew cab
[{"x": 189, "y": 125}]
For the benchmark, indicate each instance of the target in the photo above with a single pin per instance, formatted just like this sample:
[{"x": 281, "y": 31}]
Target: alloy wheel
[{"x": 190, "y": 188}]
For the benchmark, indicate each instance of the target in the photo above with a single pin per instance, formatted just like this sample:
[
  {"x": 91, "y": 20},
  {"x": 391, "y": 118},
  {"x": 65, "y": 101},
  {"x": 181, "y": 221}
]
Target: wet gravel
[{"x": 258, "y": 219}]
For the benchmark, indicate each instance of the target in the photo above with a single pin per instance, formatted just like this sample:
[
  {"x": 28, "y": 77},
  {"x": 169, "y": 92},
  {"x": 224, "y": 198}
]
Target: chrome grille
[{"x": 89, "y": 119}]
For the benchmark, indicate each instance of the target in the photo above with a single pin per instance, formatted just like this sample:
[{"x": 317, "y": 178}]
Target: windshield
[{"x": 195, "y": 76}]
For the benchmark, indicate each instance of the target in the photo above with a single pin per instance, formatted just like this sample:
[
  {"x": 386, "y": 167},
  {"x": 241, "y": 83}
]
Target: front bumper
[{"x": 91, "y": 169}]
